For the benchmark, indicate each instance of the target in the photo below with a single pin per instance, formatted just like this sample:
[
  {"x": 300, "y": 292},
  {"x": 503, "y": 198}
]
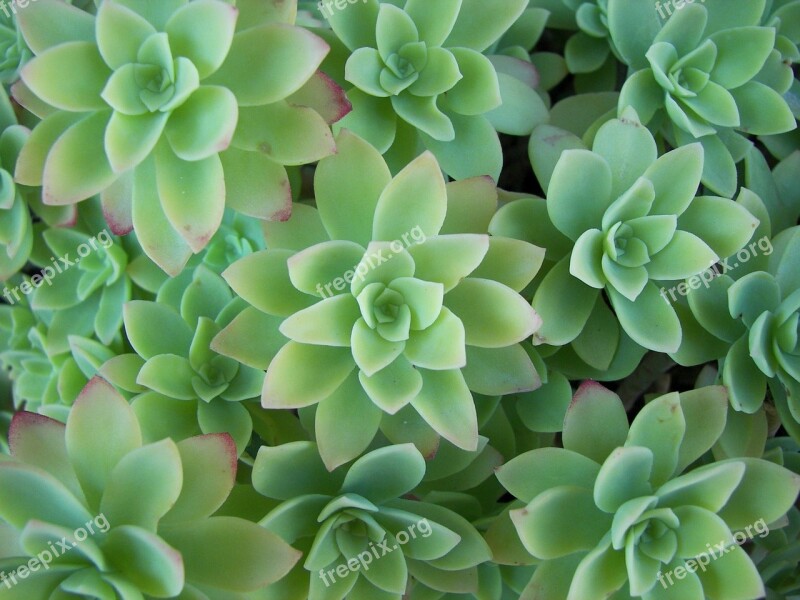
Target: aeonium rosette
[
  {"x": 390, "y": 293},
  {"x": 172, "y": 111}
]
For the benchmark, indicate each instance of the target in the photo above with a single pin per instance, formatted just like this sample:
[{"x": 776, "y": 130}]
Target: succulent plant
[
  {"x": 626, "y": 218},
  {"x": 421, "y": 81},
  {"x": 238, "y": 236},
  {"x": 389, "y": 293},
  {"x": 156, "y": 105},
  {"x": 778, "y": 71},
  {"x": 49, "y": 356},
  {"x": 17, "y": 201},
  {"x": 173, "y": 370},
  {"x": 617, "y": 505},
  {"x": 701, "y": 80},
  {"x": 525, "y": 76},
  {"x": 776, "y": 552},
  {"x": 590, "y": 52},
  {"x": 87, "y": 271},
  {"x": 135, "y": 520},
  {"x": 13, "y": 49},
  {"x": 755, "y": 317},
  {"x": 769, "y": 314},
  {"x": 297, "y": 295},
  {"x": 497, "y": 579},
  {"x": 360, "y": 536},
  {"x": 777, "y": 187}
]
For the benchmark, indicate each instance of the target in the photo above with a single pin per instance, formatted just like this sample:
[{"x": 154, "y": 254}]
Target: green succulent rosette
[
  {"x": 169, "y": 111},
  {"x": 586, "y": 48},
  {"x": 776, "y": 552},
  {"x": 84, "y": 268},
  {"x": 136, "y": 520},
  {"x": 49, "y": 356},
  {"x": 543, "y": 71},
  {"x": 506, "y": 575},
  {"x": 13, "y": 51},
  {"x": 465, "y": 477},
  {"x": 767, "y": 348},
  {"x": 590, "y": 53},
  {"x": 525, "y": 77},
  {"x": 16, "y": 201},
  {"x": 421, "y": 80},
  {"x": 49, "y": 384},
  {"x": 619, "y": 218},
  {"x": 238, "y": 236},
  {"x": 709, "y": 72},
  {"x": 778, "y": 562},
  {"x": 65, "y": 320},
  {"x": 782, "y": 15},
  {"x": 778, "y": 71},
  {"x": 615, "y": 513},
  {"x": 386, "y": 296},
  {"x": 337, "y": 518},
  {"x": 750, "y": 324},
  {"x": 777, "y": 186},
  {"x": 182, "y": 387}
]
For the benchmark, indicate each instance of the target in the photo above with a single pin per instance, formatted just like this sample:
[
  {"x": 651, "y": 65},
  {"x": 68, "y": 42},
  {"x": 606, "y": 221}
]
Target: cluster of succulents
[
  {"x": 636, "y": 515},
  {"x": 153, "y": 505},
  {"x": 311, "y": 300}
]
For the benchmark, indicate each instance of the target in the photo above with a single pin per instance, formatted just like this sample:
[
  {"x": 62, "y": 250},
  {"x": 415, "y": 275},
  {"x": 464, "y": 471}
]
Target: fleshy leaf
[
  {"x": 416, "y": 199},
  {"x": 660, "y": 426},
  {"x": 534, "y": 472},
  {"x": 649, "y": 321},
  {"x": 566, "y": 509},
  {"x": 509, "y": 320},
  {"x": 446, "y": 403},
  {"x": 386, "y": 473},
  {"x": 579, "y": 193},
  {"x": 593, "y": 404},
  {"x": 208, "y": 470},
  {"x": 292, "y": 470},
  {"x": 348, "y": 185},
  {"x": 334, "y": 417},
  {"x": 231, "y": 553},
  {"x": 93, "y": 451},
  {"x": 295, "y": 55},
  {"x": 564, "y": 304},
  {"x": 302, "y": 375},
  {"x": 153, "y": 474}
]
